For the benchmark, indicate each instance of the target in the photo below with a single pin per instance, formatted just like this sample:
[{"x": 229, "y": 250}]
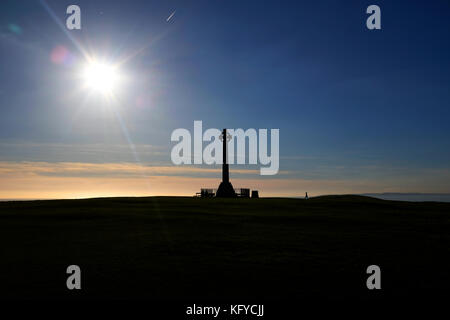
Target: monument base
[{"x": 225, "y": 190}]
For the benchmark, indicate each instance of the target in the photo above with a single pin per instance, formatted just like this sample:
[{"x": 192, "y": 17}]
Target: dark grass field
[{"x": 194, "y": 249}]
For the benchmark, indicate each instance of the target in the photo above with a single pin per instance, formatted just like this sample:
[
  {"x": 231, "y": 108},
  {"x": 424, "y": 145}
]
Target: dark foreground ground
[{"x": 210, "y": 249}]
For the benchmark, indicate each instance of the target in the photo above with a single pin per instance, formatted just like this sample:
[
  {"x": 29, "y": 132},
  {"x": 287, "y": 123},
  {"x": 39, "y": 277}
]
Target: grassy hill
[{"x": 191, "y": 248}]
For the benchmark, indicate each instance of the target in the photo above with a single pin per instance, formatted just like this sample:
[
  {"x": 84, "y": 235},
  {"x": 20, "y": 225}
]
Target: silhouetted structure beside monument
[{"x": 226, "y": 189}]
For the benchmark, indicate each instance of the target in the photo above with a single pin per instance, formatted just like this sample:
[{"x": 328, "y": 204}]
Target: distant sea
[{"x": 416, "y": 197}]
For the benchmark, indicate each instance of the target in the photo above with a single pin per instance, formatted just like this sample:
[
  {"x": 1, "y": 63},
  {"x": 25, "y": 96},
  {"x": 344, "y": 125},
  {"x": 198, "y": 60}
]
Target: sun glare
[{"x": 100, "y": 77}]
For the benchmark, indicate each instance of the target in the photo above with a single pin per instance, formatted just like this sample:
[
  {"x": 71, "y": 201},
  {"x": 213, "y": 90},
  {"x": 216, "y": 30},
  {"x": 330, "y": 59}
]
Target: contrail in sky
[{"x": 171, "y": 15}]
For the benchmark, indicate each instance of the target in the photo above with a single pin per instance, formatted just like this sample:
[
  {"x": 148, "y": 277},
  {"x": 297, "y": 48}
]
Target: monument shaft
[
  {"x": 226, "y": 189},
  {"x": 225, "y": 169}
]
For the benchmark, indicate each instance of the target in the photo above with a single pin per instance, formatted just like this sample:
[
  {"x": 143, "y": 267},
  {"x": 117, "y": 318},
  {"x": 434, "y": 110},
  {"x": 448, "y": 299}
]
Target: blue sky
[{"x": 358, "y": 110}]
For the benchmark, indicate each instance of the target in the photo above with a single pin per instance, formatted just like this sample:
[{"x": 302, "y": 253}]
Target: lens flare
[
  {"x": 61, "y": 55},
  {"x": 14, "y": 28}
]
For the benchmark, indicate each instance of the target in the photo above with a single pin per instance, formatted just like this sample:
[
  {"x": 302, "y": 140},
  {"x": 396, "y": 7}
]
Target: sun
[{"x": 101, "y": 77}]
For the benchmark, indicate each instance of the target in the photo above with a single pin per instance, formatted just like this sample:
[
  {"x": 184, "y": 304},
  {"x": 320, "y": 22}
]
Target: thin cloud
[{"x": 110, "y": 170}]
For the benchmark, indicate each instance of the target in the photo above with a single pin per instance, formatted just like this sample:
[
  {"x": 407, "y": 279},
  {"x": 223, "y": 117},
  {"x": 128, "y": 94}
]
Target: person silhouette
[{"x": 306, "y": 195}]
